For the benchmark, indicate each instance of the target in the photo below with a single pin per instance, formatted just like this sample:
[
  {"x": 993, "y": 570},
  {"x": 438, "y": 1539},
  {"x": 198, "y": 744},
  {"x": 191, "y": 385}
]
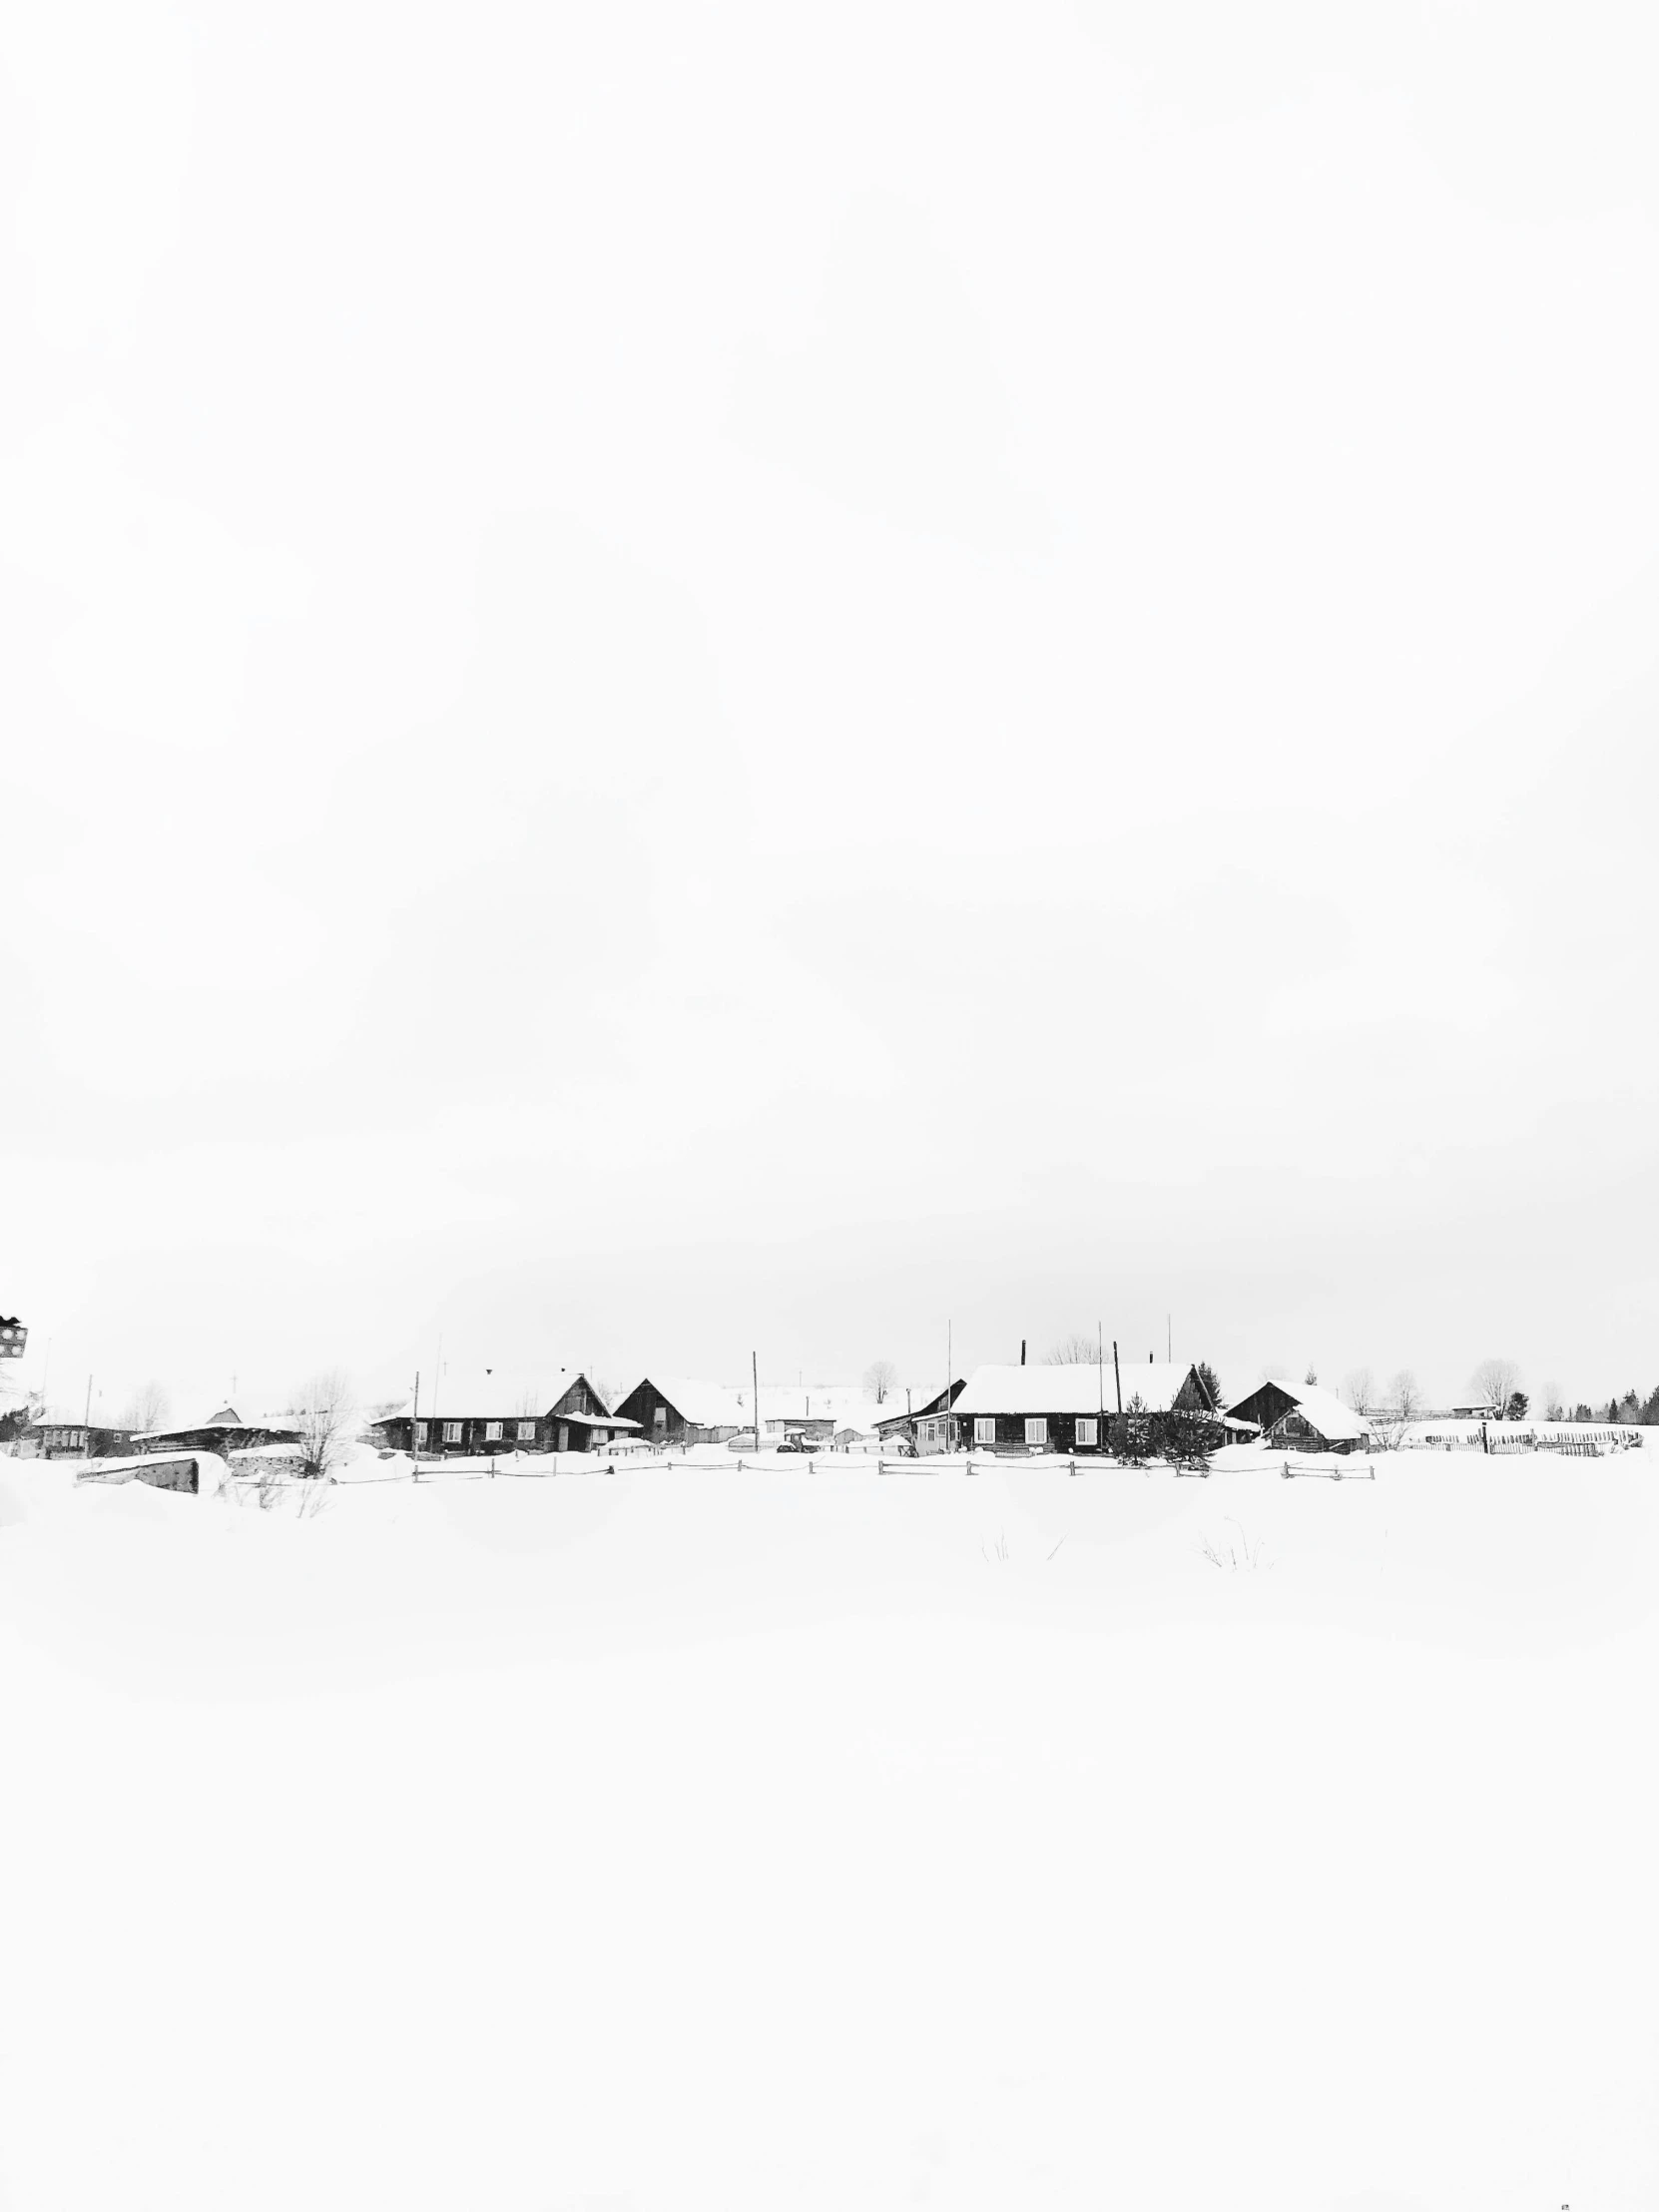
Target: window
[
  {"x": 1036, "y": 1429},
  {"x": 526, "y": 1432},
  {"x": 421, "y": 1433},
  {"x": 1089, "y": 1430},
  {"x": 492, "y": 1432},
  {"x": 659, "y": 1418},
  {"x": 984, "y": 1428},
  {"x": 451, "y": 1432}
]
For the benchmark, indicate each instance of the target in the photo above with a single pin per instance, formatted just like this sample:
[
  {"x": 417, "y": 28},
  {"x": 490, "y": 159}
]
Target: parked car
[{"x": 743, "y": 1441}]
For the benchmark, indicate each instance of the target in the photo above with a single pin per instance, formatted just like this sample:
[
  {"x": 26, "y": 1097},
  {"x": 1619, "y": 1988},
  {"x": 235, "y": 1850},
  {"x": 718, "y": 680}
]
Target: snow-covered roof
[
  {"x": 1081, "y": 1388},
  {"x": 485, "y": 1393},
  {"x": 224, "y": 1416},
  {"x": 1324, "y": 1410},
  {"x": 841, "y": 1402},
  {"x": 703, "y": 1404}
]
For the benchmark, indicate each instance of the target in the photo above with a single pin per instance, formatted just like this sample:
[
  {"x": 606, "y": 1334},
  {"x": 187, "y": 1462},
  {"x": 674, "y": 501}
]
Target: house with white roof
[
  {"x": 1069, "y": 1408},
  {"x": 1299, "y": 1416},
  {"x": 473, "y": 1413}
]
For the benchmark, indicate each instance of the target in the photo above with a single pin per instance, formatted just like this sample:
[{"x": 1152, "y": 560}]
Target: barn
[
  {"x": 1299, "y": 1416},
  {"x": 1070, "y": 1410},
  {"x": 224, "y": 1431},
  {"x": 673, "y": 1410}
]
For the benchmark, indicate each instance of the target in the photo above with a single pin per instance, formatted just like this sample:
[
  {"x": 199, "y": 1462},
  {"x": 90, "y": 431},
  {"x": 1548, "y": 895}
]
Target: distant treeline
[{"x": 1633, "y": 1409}]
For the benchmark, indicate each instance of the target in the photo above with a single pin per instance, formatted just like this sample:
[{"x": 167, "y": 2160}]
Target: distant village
[{"x": 1072, "y": 1408}]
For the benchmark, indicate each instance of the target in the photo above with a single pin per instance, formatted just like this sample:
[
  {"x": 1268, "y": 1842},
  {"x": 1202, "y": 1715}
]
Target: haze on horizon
[{"x": 677, "y": 685}]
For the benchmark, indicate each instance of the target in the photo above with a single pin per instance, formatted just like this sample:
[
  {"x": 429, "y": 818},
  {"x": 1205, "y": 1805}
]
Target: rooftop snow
[
  {"x": 703, "y": 1404},
  {"x": 1082, "y": 1388}
]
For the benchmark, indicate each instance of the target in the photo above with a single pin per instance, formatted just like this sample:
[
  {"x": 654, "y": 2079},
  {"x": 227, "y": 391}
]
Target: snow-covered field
[{"x": 782, "y": 1838}]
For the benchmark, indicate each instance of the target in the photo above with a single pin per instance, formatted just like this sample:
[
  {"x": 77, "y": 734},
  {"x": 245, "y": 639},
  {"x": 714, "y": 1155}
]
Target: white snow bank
[{"x": 783, "y": 1841}]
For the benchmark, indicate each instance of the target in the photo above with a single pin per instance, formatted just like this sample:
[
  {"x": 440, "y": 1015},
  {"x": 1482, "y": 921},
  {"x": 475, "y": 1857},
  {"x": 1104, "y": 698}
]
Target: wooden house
[
  {"x": 926, "y": 1427},
  {"x": 1071, "y": 1409},
  {"x": 1299, "y": 1417},
  {"x": 65, "y": 1436},
  {"x": 475, "y": 1414},
  {"x": 671, "y": 1410}
]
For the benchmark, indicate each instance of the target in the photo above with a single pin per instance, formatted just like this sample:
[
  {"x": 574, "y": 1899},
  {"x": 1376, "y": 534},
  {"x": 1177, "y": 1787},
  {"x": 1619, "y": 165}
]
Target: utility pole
[
  {"x": 755, "y": 1379},
  {"x": 415, "y": 1428},
  {"x": 86, "y": 1424},
  {"x": 1100, "y": 1367},
  {"x": 949, "y": 1377},
  {"x": 1117, "y": 1373}
]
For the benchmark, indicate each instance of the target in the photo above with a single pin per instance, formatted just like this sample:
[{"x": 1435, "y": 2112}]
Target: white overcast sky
[{"x": 682, "y": 679}]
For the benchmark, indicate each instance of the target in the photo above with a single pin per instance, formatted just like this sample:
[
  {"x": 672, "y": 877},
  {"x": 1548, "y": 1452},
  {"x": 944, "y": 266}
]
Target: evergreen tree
[{"x": 1211, "y": 1381}]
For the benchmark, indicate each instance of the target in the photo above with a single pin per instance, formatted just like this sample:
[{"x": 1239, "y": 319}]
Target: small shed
[{"x": 1299, "y": 1417}]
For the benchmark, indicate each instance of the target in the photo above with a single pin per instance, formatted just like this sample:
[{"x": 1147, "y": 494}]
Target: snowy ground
[{"x": 785, "y": 1838}]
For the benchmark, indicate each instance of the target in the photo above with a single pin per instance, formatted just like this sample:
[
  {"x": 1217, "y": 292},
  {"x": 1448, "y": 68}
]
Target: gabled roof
[
  {"x": 1323, "y": 1409},
  {"x": 1083, "y": 1388},
  {"x": 703, "y": 1404}
]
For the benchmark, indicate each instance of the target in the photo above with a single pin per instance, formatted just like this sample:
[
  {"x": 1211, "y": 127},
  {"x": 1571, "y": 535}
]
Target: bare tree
[
  {"x": 1399, "y": 1408},
  {"x": 1552, "y": 1403},
  {"x": 147, "y": 1409},
  {"x": 1274, "y": 1371},
  {"x": 880, "y": 1379},
  {"x": 1495, "y": 1383},
  {"x": 1360, "y": 1385},
  {"x": 327, "y": 1417},
  {"x": 1404, "y": 1397},
  {"x": 1079, "y": 1350}
]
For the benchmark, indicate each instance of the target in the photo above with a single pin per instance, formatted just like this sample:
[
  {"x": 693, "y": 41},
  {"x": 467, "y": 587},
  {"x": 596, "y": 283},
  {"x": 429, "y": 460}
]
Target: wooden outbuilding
[
  {"x": 225, "y": 1430},
  {"x": 1299, "y": 1417}
]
